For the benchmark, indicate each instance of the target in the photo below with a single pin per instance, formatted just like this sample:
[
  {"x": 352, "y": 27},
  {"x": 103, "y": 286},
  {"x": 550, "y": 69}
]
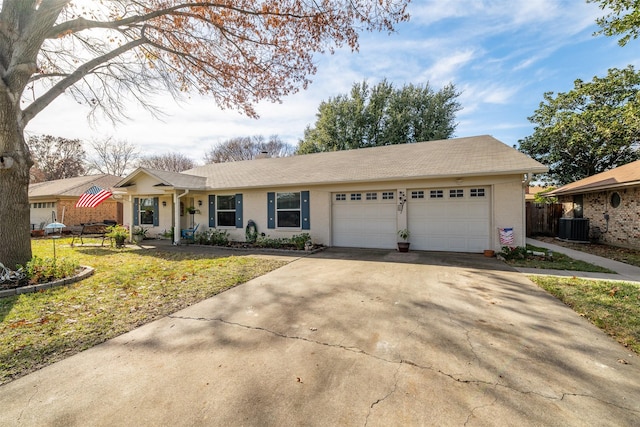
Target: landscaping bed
[{"x": 531, "y": 258}]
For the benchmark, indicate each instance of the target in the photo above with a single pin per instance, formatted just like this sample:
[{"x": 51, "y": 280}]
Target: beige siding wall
[
  {"x": 506, "y": 192},
  {"x": 507, "y": 205},
  {"x": 508, "y": 211}
]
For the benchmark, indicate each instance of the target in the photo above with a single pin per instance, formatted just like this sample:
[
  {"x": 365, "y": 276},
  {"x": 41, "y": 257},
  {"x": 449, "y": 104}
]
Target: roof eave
[
  {"x": 387, "y": 179},
  {"x": 592, "y": 189}
]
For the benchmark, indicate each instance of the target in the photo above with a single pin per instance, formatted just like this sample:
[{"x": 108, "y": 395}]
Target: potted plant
[
  {"x": 193, "y": 210},
  {"x": 139, "y": 233},
  {"x": 404, "y": 245},
  {"x": 117, "y": 233}
]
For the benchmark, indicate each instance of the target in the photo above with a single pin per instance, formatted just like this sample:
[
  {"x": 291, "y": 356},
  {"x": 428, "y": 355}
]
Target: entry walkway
[{"x": 624, "y": 271}]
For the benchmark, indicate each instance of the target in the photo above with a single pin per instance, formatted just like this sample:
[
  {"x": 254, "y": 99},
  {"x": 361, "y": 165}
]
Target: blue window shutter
[
  {"x": 271, "y": 210},
  {"x": 238, "y": 210},
  {"x": 136, "y": 211},
  {"x": 212, "y": 211},
  {"x": 304, "y": 205},
  {"x": 156, "y": 212}
]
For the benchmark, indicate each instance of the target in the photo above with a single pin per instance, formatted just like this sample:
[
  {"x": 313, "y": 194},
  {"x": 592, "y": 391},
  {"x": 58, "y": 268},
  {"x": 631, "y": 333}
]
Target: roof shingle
[
  {"x": 479, "y": 155},
  {"x": 71, "y": 187}
]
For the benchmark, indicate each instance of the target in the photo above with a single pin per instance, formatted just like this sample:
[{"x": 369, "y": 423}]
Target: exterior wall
[
  {"x": 66, "y": 212},
  {"x": 506, "y": 192},
  {"x": 107, "y": 210},
  {"x": 623, "y": 227},
  {"x": 509, "y": 211},
  {"x": 507, "y": 206}
]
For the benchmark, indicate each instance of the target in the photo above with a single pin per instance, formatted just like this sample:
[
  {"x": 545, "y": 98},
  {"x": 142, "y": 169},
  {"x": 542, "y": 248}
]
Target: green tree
[
  {"x": 104, "y": 53},
  {"x": 624, "y": 19},
  {"x": 588, "y": 130},
  {"x": 382, "y": 115}
]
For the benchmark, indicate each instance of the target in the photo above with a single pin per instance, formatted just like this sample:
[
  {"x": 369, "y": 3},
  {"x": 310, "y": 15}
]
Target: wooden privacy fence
[{"x": 543, "y": 219}]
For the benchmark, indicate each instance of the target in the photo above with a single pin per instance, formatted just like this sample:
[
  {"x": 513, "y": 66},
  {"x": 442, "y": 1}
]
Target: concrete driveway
[{"x": 349, "y": 337}]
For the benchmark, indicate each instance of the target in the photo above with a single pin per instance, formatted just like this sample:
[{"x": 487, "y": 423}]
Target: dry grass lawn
[{"x": 130, "y": 287}]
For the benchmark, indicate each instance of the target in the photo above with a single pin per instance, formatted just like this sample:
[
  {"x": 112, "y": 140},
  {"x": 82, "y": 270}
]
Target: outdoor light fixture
[
  {"x": 199, "y": 202},
  {"x": 164, "y": 203}
]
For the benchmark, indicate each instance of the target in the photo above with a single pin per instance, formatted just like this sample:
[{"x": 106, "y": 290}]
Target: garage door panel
[
  {"x": 450, "y": 224},
  {"x": 364, "y": 223}
]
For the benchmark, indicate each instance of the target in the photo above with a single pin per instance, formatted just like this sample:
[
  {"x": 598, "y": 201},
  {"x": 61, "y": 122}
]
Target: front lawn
[
  {"x": 130, "y": 287},
  {"x": 614, "y": 307}
]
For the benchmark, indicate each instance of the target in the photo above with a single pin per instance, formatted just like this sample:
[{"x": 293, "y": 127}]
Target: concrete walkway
[{"x": 625, "y": 272}]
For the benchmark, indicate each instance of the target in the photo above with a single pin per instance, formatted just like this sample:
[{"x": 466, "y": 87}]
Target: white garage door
[
  {"x": 364, "y": 219},
  {"x": 449, "y": 219}
]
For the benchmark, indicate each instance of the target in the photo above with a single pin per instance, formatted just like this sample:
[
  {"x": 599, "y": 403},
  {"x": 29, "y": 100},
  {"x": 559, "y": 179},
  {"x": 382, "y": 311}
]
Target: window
[
  {"x": 356, "y": 196},
  {"x": 456, "y": 193},
  {"x": 288, "y": 209},
  {"x": 146, "y": 210},
  {"x": 476, "y": 192},
  {"x": 436, "y": 194},
  {"x": 41, "y": 205},
  {"x": 388, "y": 195},
  {"x": 372, "y": 196},
  {"x": 341, "y": 196},
  {"x": 615, "y": 200},
  {"x": 226, "y": 212},
  {"x": 417, "y": 194}
]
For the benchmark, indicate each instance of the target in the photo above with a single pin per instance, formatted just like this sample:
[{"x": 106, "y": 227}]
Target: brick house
[
  {"x": 610, "y": 201},
  {"x": 56, "y": 199}
]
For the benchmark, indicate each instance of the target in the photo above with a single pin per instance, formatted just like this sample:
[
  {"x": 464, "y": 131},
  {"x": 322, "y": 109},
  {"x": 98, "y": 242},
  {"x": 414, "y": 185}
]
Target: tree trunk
[{"x": 15, "y": 162}]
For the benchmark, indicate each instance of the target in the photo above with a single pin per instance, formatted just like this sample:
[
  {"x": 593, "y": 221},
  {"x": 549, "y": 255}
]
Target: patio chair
[{"x": 189, "y": 233}]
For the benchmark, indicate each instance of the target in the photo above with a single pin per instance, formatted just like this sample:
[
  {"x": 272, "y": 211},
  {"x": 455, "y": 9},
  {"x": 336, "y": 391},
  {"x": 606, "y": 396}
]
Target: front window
[
  {"x": 226, "y": 211},
  {"x": 288, "y": 210},
  {"x": 146, "y": 211}
]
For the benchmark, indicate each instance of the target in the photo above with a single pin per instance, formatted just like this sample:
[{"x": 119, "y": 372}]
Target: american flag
[{"x": 93, "y": 197}]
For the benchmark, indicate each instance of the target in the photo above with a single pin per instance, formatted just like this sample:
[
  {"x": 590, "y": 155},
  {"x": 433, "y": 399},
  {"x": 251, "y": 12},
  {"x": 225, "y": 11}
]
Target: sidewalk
[{"x": 625, "y": 272}]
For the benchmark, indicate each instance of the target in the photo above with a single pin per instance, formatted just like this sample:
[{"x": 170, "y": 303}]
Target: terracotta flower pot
[
  {"x": 403, "y": 246},
  {"x": 489, "y": 253}
]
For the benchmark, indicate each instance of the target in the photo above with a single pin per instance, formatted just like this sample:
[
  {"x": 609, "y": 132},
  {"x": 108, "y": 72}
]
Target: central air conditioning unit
[{"x": 574, "y": 229}]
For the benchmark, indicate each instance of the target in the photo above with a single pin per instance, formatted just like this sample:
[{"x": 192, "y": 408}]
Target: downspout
[
  {"x": 525, "y": 183},
  {"x": 176, "y": 216},
  {"x": 132, "y": 217}
]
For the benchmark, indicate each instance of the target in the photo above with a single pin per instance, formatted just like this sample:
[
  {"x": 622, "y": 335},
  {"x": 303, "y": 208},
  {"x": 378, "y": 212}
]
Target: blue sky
[{"x": 503, "y": 55}]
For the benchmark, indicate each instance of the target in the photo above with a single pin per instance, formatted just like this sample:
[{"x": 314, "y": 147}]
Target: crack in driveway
[
  {"x": 383, "y": 398},
  {"x": 406, "y": 362}
]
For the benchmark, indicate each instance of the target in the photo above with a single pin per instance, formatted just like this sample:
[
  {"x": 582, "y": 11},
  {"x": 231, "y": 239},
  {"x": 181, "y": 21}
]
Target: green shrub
[
  {"x": 269, "y": 242},
  {"x": 212, "y": 237},
  {"x": 297, "y": 241},
  {"x": 43, "y": 270},
  {"x": 300, "y": 240},
  {"x": 514, "y": 252}
]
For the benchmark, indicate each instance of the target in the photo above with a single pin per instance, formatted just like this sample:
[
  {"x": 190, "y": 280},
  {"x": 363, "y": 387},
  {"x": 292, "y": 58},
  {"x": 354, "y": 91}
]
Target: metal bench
[{"x": 93, "y": 230}]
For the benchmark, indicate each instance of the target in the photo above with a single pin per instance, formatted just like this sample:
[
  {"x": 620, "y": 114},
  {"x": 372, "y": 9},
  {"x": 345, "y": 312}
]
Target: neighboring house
[
  {"x": 56, "y": 200},
  {"x": 610, "y": 201},
  {"x": 452, "y": 195},
  {"x": 531, "y": 191}
]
